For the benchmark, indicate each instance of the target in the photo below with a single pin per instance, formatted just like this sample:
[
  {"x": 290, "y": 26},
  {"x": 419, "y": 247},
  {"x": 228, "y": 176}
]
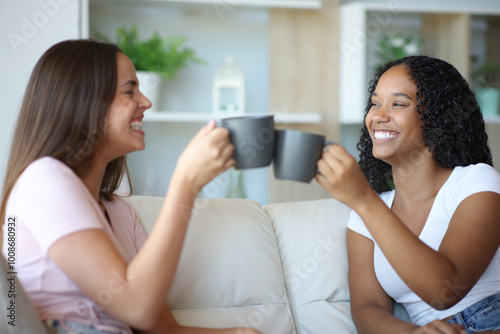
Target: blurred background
[{"x": 308, "y": 62}]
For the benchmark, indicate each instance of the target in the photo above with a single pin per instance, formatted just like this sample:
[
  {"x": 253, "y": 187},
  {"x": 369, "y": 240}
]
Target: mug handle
[
  {"x": 328, "y": 143},
  {"x": 325, "y": 145}
]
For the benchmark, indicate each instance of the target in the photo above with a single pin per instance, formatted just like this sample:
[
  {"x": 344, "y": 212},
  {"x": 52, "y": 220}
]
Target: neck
[
  {"x": 92, "y": 177},
  {"x": 419, "y": 181}
]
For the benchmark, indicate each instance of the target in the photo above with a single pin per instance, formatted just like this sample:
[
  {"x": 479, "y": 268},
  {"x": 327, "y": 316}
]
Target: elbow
[
  {"x": 447, "y": 295},
  {"x": 143, "y": 318},
  {"x": 143, "y": 325}
]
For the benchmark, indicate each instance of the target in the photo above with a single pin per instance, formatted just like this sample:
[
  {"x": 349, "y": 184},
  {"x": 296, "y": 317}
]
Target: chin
[
  {"x": 385, "y": 157},
  {"x": 140, "y": 147}
]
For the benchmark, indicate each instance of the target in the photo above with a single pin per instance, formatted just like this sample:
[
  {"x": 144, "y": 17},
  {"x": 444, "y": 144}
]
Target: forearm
[
  {"x": 151, "y": 273},
  {"x": 167, "y": 324},
  {"x": 176, "y": 329},
  {"x": 375, "y": 320}
]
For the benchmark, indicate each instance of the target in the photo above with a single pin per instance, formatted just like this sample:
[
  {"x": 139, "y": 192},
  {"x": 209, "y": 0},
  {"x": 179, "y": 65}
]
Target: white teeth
[
  {"x": 384, "y": 134},
  {"x": 136, "y": 125}
]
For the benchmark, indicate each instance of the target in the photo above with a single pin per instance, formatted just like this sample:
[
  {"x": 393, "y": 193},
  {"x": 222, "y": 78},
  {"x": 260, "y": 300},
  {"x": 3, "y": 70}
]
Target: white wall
[{"x": 27, "y": 29}]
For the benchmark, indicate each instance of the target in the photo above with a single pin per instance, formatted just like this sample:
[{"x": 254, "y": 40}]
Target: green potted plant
[
  {"x": 486, "y": 86},
  {"x": 395, "y": 47},
  {"x": 155, "y": 59}
]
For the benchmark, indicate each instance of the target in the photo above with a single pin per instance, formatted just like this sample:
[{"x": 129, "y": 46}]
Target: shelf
[
  {"x": 225, "y": 5},
  {"x": 478, "y": 7},
  {"x": 492, "y": 119},
  {"x": 201, "y": 117},
  {"x": 445, "y": 27},
  {"x": 298, "y": 4}
]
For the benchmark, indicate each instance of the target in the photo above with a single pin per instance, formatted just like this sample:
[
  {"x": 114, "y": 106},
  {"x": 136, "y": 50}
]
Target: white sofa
[{"x": 279, "y": 269}]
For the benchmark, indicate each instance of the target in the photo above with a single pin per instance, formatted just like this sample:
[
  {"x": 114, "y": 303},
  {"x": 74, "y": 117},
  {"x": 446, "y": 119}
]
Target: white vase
[{"x": 150, "y": 85}]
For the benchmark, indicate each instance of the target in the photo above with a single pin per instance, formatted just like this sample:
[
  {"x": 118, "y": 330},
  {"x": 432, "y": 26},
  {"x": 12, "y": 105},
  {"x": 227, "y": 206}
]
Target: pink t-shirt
[{"x": 49, "y": 202}]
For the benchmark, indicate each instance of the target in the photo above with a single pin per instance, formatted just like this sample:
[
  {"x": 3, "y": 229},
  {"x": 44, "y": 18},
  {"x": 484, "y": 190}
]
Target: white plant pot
[{"x": 150, "y": 84}]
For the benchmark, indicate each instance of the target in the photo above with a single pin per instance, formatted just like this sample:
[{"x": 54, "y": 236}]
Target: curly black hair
[{"x": 453, "y": 126}]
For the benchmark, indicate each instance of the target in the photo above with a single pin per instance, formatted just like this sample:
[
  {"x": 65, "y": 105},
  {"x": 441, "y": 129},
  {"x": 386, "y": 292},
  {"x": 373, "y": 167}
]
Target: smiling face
[
  {"x": 393, "y": 121},
  {"x": 124, "y": 119}
]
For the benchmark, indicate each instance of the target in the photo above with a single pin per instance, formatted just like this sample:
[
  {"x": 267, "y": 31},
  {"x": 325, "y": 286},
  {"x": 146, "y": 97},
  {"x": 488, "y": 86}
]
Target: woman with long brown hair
[{"x": 83, "y": 257}]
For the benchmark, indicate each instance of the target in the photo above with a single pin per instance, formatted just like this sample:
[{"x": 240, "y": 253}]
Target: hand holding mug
[
  {"x": 340, "y": 174},
  {"x": 207, "y": 155}
]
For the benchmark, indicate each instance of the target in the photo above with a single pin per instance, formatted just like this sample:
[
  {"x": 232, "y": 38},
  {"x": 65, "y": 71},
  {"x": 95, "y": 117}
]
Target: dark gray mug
[
  {"x": 253, "y": 140},
  {"x": 296, "y": 154}
]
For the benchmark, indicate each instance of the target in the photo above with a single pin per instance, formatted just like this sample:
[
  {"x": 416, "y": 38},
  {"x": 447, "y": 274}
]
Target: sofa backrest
[
  {"x": 311, "y": 237},
  {"x": 279, "y": 269}
]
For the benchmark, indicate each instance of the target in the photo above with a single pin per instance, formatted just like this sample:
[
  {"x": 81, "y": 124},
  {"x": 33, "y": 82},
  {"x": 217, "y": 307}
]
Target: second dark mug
[
  {"x": 296, "y": 154},
  {"x": 253, "y": 140}
]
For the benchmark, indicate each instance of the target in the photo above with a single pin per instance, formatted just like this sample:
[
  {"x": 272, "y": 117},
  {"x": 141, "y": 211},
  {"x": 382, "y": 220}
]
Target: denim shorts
[
  {"x": 56, "y": 327},
  {"x": 482, "y": 316}
]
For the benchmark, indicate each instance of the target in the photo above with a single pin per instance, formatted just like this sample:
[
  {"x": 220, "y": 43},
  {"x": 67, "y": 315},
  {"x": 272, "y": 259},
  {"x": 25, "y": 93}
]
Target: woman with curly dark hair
[{"x": 425, "y": 225}]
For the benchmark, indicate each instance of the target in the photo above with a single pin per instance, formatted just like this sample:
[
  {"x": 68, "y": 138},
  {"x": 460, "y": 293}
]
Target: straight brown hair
[{"x": 63, "y": 113}]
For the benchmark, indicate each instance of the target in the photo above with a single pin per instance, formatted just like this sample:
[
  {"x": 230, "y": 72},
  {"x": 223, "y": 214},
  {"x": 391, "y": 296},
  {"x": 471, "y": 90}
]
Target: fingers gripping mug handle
[
  {"x": 328, "y": 143},
  {"x": 325, "y": 145}
]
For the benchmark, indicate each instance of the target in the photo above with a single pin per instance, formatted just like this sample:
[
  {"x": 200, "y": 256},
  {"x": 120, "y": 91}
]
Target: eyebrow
[
  {"x": 129, "y": 82},
  {"x": 396, "y": 94}
]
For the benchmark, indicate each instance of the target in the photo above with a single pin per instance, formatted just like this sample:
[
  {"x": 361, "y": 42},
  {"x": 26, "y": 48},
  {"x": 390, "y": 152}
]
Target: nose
[
  {"x": 144, "y": 102},
  {"x": 379, "y": 114}
]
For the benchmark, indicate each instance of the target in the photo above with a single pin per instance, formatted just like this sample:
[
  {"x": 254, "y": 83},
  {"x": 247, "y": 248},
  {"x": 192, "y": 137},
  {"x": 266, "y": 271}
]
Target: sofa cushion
[
  {"x": 229, "y": 272},
  {"x": 311, "y": 236}
]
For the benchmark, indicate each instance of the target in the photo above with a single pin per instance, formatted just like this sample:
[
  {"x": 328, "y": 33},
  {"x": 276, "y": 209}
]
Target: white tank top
[{"x": 463, "y": 182}]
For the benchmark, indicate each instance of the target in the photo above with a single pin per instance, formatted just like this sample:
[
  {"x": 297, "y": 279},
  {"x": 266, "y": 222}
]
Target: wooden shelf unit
[{"x": 445, "y": 29}]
